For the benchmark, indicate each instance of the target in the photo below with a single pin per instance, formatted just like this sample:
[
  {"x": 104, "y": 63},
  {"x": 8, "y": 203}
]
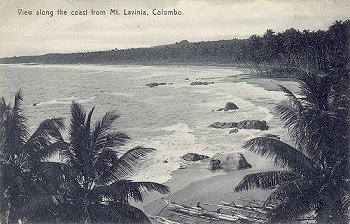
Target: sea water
[{"x": 171, "y": 118}]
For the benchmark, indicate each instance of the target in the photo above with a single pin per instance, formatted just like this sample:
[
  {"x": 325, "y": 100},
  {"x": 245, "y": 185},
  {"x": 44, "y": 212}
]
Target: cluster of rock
[
  {"x": 154, "y": 84},
  {"x": 228, "y": 106},
  {"x": 227, "y": 162},
  {"x": 246, "y": 124},
  {"x": 196, "y": 83}
]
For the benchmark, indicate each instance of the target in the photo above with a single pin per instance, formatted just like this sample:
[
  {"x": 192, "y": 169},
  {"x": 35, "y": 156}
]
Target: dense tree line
[{"x": 322, "y": 49}]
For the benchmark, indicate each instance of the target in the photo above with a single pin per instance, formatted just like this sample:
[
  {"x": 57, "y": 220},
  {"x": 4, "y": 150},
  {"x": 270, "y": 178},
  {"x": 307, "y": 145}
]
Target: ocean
[{"x": 172, "y": 118}]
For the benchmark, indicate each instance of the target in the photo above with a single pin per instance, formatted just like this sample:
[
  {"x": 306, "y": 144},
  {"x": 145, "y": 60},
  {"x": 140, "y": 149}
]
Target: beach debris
[
  {"x": 228, "y": 106},
  {"x": 182, "y": 166},
  {"x": 198, "y": 83},
  {"x": 194, "y": 157},
  {"x": 245, "y": 124},
  {"x": 228, "y": 162},
  {"x": 34, "y": 104},
  {"x": 154, "y": 84},
  {"x": 163, "y": 220}
]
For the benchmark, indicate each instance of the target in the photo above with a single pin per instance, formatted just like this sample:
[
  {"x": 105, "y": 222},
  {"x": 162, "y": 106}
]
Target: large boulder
[
  {"x": 228, "y": 162},
  {"x": 194, "y": 157},
  {"x": 229, "y": 106},
  {"x": 253, "y": 124}
]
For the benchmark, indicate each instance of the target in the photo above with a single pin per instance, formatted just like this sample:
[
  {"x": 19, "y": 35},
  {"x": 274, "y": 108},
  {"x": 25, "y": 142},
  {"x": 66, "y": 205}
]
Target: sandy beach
[{"x": 197, "y": 183}]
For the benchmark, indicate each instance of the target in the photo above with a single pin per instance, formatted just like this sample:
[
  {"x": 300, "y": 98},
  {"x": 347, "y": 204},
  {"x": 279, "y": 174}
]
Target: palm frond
[
  {"x": 14, "y": 129},
  {"x": 106, "y": 123},
  {"x": 117, "y": 213},
  {"x": 46, "y": 140},
  {"x": 282, "y": 153},
  {"x": 56, "y": 175},
  {"x": 290, "y": 189},
  {"x": 124, "y": 190},
  {"x": 77, "y": 121},
  {"x": 265, "y": 180},
  {"x": 129, "y": 162},
  {"x": 101, "y": 133},
  {"x": 297, "y": 207},
  {"x": 41, "y": 208}
]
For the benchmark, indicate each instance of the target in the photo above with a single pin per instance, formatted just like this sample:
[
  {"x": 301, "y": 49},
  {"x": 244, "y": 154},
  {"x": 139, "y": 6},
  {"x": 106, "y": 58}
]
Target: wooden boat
[
  {"x": 164, "y": 220},
  {"x": 201, "y": 212}
]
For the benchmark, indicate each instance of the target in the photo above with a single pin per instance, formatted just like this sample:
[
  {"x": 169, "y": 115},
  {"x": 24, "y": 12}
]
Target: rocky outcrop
[
  {"x": 197, "y": 83},
  {"x": 228, "y": 162},
  {"x": 229, "y": 106},
  {"x": 246, "y": 124},
  {"x": 154, "y": 84},
  {"x": 194, "y": 157}
]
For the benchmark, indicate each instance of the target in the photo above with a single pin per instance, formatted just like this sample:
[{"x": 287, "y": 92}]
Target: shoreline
[{"x": 197, "y": 183}]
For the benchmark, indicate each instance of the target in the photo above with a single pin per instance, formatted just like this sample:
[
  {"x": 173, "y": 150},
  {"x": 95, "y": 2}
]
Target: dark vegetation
[
  {"x": 322, "y": 49},
  {"x": 90, "y": 185},
  {"x": 315, "y": 181}
]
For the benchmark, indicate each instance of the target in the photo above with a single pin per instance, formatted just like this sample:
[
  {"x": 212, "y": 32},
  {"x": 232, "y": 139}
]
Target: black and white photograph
[{"x": 174, "y": 111}]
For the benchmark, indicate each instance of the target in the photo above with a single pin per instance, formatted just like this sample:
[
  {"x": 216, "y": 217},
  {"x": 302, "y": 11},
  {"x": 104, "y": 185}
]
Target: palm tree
[
  {"x": 19, "y": 153},
  {"x": 93, "y": 175},
  {"x": 315, "y": 178}
]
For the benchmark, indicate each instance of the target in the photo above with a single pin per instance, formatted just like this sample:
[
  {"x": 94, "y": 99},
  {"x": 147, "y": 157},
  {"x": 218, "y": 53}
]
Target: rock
[
  {"x": 154, "y": 84},
  {"x": 34, "y": 104},
  {"x": 234, "y": 130},
  {"x": 187, "y": 79},
  {"x": 230, "y": 106},
  {"x": 228, "y": 162},
  {"x": 196, "y": 83},
  {"x": 165, "y": 161},
  {"x": 252, "y": 124},
  {"x": 246, "y": 124},
  {"x": 223, "y": 125},
  {"x": 194, "y": 157},
  {"x": 271, "y": 136},
  {"x": 214, "y": 164}
]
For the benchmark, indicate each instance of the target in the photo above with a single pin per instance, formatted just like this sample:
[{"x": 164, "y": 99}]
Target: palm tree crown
[
  {"x": 93, "y": 177},
  {"x": 20, "y": 152},
  {"x": 316, "y": 175}
]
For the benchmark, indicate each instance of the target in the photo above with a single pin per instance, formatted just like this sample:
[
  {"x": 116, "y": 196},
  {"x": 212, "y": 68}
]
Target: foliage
[
  {"x": 320, "y": 50},
  {"x": 92, "y": 180},
  {"x": 316, "y": 171},
  {"x": 20, "y": 153},
  {"x": 88, "y": 186}
]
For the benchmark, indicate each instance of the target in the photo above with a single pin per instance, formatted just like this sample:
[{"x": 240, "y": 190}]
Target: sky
[{"x": 22, "y": 35}]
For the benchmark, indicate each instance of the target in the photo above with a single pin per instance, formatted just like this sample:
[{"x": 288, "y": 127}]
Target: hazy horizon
[{"x": 23, "y": 35}]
